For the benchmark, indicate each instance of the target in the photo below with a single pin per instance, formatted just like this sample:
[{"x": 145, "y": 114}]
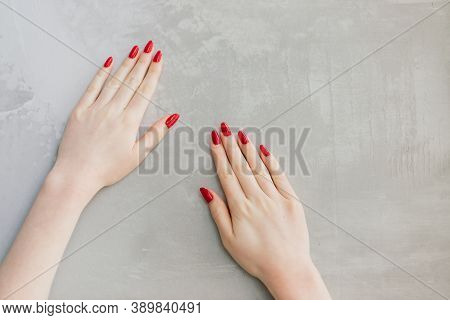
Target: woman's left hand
[{"x": 99, "y": 146}]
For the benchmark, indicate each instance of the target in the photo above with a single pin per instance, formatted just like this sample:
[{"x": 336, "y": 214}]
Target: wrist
[
  {"x": 302, "y": 282},
  {"x": 75, "y": 184}
]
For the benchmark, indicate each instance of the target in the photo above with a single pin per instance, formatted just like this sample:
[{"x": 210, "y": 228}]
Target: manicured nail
[
  {"x": 157, "y": 57},
  {"x": 108, "y": 62},
  {"x": 242, "y": 137},
  {"x": 206, "y": 195},
  {"x": 264, "y": 150},
  {"x": 225, "y": 129},
  {"x": 148, "y": 47},
  {"x": 172, "y": 120},
  {"x": 215, "y": 137},
  {"x": 133, "y": 53}
]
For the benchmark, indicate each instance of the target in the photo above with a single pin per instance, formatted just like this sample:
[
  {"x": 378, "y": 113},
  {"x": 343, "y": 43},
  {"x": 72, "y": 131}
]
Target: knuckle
[
  {"x": 264, "y": 177},
  {"x": 150, "y": 74},
  {"x": 126, "y": 65},
  {"x": 92, "y": 88},
  {"x": 224, "y": 174},
  {"x": 141, "y": 63},
  {"x": 110, "y": 117},
  {"x": 292, "y": 204},
  {"x": 266, "y": 204},
  {"x": 239, "y": 166},
  {"x": 148, "y": 85},
  {"x": 76, "y": 115},
  {"x": 100, "y": 75},
  {"x": 154, "y": 136},
  {"x": 148, "y": 147},
  {"x": 132, "y": 81},
  {"x": 227, "y": 240},
  {"x": 97, "y": 79},
  {"x": 141, "y": 94},
  {"x": 128, "y": 122},
  {"x": 146, "y": 88},
  {"x": 114, "y": 83},
  {"x": 242, "y": 208}
]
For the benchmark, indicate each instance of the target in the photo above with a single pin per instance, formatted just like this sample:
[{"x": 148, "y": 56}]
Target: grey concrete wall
[{"x": 378, "y": 193}]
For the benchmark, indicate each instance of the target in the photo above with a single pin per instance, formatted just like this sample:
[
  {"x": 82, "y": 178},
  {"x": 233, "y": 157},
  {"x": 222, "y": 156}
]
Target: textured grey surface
[{"x": 378, "y": 151}]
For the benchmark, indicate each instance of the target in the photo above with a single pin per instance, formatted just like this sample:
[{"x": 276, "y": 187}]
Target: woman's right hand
[{"x": 262, "y": 223}]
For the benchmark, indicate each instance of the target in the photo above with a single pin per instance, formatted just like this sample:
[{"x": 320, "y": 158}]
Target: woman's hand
[
  {"x": 99, "y": 145},
  {"x": 262, "y": 225}
]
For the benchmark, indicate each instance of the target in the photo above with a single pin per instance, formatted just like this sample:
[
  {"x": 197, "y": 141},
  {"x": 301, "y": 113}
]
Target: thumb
[{"x": 153, "y": 136}]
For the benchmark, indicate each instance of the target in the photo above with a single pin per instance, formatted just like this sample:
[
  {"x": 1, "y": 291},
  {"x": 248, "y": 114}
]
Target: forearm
[
  {"x": 303, "y": 283},
  {"x": 96, "y": 150},
  {"x": 28, "y": 270}
]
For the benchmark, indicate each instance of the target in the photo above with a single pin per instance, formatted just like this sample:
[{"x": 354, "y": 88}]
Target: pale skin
[
  {"x": 262, "y": 224},
  {"x": 99, "y": 147}
]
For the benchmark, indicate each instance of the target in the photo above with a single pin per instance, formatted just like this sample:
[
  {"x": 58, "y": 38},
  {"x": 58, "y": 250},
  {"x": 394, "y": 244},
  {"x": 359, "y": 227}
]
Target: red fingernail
[
  {"x": 157, "y": 57},
  {"x": 225, "y": 129},
  {"x": 215, "y": 137},
  {"x": 148, "y": 47},
  {"x": 172, "y": 119},
  {"x": 133, "y": 53},
  {"x": 108, "y": 62},
  {"x": 206, "y": 195},
  {"x": 264, "y": 150},
  {"x": 242, "y": 137}
]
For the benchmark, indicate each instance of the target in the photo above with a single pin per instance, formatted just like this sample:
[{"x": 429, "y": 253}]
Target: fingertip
[
  {"x": 207, "y": 195},
  {"x": 158, "y": 56},
  {"x": 148, "y": 47},
  {"x": 172, "y": 119},
  {"x": 215, "y": 138},
  {"x": 225, "y": 129},
  {"x": 243, "y": 139},
  {"x": 133, "y": 52},
  {"x": 264, "y": 150},
  {"x": 108, "y": 62}
]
